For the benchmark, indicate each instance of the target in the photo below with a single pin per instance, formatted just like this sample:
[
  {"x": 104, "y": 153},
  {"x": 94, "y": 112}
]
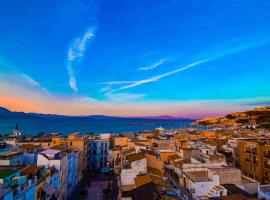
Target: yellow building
[
  {"x": 254, "y": 157},
  {"x": 119, "y": 141}
]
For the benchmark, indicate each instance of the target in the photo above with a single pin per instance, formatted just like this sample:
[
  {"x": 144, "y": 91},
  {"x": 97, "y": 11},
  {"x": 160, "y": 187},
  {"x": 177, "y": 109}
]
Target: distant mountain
[
  {"x": 165, "y": 117},
  {"x": 7, "y": 114}
]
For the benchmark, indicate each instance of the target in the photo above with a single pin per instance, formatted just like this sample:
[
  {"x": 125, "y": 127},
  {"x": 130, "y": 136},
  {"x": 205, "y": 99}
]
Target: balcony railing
[
  {"x": 251, "y": 150},
  {"x": 252, "y": 161}
]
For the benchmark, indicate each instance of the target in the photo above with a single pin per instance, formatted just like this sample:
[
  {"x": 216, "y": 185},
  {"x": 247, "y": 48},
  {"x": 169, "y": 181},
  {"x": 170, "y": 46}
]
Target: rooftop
[
  {"x": 135, "y": 157},
  {"x": 142, "y": 180},
  {"x": 6, "y": 172},
  {"x": 27, "y": 147},
  {"x": 50, "y": 151},
  {"x": 198, "y": 176},
  {"x": 153, "y": 171}
]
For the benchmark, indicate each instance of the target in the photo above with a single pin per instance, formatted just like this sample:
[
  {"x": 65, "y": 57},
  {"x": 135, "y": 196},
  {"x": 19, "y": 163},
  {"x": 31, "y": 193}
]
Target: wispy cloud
[
  {"x": 116, "y": 82},
  {"x": 225, "y": 52},
  {"x": 76, "y": 52},
  {"x": 123, "y": 97},
  {"x": 156, "y": 78},
  {"x": 153, "y": 66},
  {"x": 234, "y": 49}
]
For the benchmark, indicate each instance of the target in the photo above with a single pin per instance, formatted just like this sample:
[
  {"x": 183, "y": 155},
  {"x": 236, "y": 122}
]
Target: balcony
[
  {"x": 267, "y": 154},
  {"x": 251, "y": 151},
  {"x": 266, "y": 166},
  {"x": 252, "y": 161}
]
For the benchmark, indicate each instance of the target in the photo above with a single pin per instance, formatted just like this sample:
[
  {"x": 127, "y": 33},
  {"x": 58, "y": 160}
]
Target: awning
[{"x": 48, "y": 189}]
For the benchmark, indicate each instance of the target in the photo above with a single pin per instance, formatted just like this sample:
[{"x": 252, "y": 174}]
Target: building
[
  {"x": 14, "y": 186},
  {"x": 59, "y": 160},
  {"x": 132, "y": 165},
  {"x": 254, "y": 157},
  {"x": 75, "y": 142},
  {"x": 10, "y": 157},
  {"x": 98, "y": 151}
]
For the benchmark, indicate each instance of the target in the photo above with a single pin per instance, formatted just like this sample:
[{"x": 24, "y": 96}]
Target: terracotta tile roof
[
  {"x": 142, "y": 180},
  {"x": 27, "y": 147},
  {"x": 157, "y": 180},
  {"x": 127, "y": 151},
  {"x": 146, "y": 151},
  {"x": 153, "y": 171},
  {"x": 134, "y": 157},
  {"x": 174, "y": 157},
  {"x": 127, "y": 187}
]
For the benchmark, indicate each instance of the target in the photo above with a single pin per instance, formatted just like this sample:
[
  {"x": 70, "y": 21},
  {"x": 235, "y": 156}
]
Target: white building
[
  {"x": 134, "y": 164},
  {"x": 58, "y": 160}
]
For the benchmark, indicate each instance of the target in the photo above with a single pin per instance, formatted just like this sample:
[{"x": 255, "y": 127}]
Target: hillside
[{"x": 258, "y": 116}]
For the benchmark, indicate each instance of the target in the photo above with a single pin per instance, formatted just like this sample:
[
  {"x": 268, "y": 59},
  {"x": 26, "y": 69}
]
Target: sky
[{"x": 190, "y": 58}]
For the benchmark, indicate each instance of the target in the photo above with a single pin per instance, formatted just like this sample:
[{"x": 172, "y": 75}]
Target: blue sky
[{"x": 126, "y": 53}]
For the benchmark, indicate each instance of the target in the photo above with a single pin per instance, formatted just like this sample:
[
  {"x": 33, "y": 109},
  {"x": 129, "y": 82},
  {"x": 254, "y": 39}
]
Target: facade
[
  {"x": 254, "y": 156},
  {"x": 73, "y": 161},
  {"x": 98, "y": 150},
  {"x": 75, "y": 142},
  {"x": 55, "y": 158}
]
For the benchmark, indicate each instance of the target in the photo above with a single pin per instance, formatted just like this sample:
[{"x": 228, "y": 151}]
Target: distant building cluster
[{"x": 160, "y": 164}]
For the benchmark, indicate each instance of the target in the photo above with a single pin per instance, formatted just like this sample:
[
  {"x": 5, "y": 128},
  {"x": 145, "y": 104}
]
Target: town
[{"x": 225, "y": 162}]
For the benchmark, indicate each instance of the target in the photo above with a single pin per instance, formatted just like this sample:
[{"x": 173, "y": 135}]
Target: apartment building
[
  {"x": 59, "y": 160},
  {"x": 254, "y": 157},
  {"x": 98, "y": 151},
  {"x": 75, "y": 142}
]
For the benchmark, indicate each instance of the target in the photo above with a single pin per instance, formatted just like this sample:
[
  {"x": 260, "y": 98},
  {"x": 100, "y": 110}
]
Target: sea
[{"x": 96, "y": 126}]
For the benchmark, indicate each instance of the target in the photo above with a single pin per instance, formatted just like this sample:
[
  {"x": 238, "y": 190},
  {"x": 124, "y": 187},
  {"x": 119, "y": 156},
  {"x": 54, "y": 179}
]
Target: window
[{"x": 70, "y": 143}]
